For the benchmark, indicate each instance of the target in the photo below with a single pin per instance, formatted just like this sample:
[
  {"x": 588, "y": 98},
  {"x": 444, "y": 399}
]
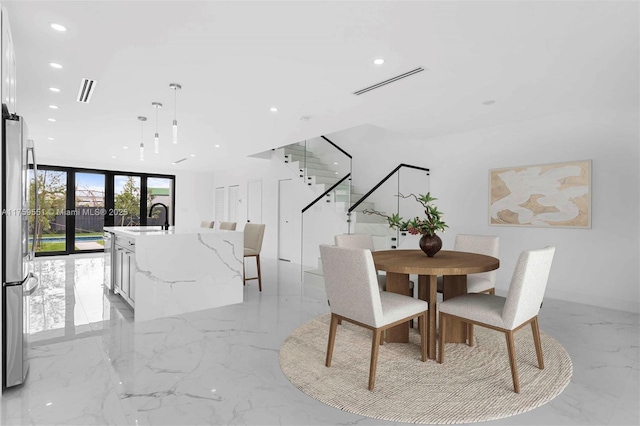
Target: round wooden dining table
[{"x": 454, "y": 266}]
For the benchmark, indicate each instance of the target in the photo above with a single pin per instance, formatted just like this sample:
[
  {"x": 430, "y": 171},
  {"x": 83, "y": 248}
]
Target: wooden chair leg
[
  {"x": 512, "y": 360},
  {"x": 443, "y": 320},
  {"x": 424, "y": 335},
  {"x": 259, "y": 276},
  {"x": 375, "y": 344},
  {"x": 244, "y": 272},
  {"x": 470, "y": 334},
  {"x": 536, "y": 339},
  {"x": 332, "y": 338},
  {"x": 492, "y": 291}
]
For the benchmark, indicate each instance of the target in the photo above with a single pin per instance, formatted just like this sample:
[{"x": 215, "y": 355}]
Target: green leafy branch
[{"x": 430, "y": 224}]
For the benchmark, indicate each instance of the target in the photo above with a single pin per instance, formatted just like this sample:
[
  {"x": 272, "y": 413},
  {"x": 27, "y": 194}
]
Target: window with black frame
[{"x": 76, "y": 204}]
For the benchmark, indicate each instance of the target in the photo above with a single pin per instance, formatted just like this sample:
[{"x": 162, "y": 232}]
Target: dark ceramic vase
[{"x": 430, "y": 244}]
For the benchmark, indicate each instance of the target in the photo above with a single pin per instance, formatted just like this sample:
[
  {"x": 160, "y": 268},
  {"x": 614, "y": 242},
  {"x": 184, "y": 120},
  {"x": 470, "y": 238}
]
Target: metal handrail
[
  {"x": 326, "y": 192},
  {"x": 337, "y": 147},
  {"x": 357, "y": 203}
]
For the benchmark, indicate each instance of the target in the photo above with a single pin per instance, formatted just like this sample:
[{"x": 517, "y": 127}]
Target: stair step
[
  {"x": 321, "y": 172},
  {"x": 311, "y": 180},
  {"x": 309, "y": 161},
  {"x": 295, "y": 147},
  {"x": 359, "y": 217},
  {"x": 365, "y": 205}
]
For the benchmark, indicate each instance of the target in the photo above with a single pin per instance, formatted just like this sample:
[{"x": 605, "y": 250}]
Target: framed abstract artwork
[{"x": 546, "y": 195}]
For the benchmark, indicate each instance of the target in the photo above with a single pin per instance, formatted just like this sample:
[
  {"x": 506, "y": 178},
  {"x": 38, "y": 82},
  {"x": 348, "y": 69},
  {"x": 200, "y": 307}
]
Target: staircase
[{"x": 320, "y": 174}]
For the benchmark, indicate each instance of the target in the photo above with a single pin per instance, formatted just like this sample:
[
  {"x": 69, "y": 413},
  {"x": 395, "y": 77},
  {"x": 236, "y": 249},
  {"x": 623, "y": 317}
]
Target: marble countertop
[{"x": 137, "y": 231}]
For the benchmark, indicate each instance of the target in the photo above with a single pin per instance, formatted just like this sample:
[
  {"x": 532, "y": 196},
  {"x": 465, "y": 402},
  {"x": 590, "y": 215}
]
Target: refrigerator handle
[
  {"x": 33, "y": 280},
  {"x": 31, "y": 148}
]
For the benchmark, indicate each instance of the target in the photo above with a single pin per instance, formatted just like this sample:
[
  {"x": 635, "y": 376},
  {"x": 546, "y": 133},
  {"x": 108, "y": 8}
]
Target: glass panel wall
[
  {"x": 76, "y": 204},
  {"x": 51, "y": 223},
  {"x": 89, "y": 211},
  {"x": 159, "y": 190},
  {"x": 126, "y": 190}
]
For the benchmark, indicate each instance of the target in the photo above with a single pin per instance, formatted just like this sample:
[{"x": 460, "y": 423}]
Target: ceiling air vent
[
  {"x": 180, "y": 160},
  {"x": 391, "y": 80},
  {"x": 86, "y": 90}
]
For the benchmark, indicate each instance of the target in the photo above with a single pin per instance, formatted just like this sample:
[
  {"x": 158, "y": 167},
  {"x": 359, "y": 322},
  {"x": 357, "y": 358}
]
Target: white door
[
  {"x": 219, "y": 206},
  {"x": 234, "y": 201},
  {"x": 254, "y": 201},
  {"x": 286, "y": 235}
]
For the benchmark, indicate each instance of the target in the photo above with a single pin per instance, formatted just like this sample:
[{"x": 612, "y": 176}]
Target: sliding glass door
[
  {"x": 126, "y": 211},
  {"x": 51, "y": 223},
  {"x": 76, "y": 204},
  {"x": 159, "y": 190},
  {"x": 89, "y": 211}
]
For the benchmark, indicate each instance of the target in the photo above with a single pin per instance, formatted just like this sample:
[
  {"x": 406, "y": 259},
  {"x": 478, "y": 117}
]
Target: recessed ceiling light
[
  {"x": 125, "y": 147},
  {"x": 58, "y": 27},
  {"x": 193, "y": 155},
  {"x": 113, "y": 156},
  {"x": 378, "y": 61},
  {"x": 52, "y": 119},
  {"x": 55, "y": 65},
  {"x": 217, "y": 146},
  {"x": 51, "y": 139},
  {"x": 273, "y": 109},
  {"x": 53, "y": 106},
  {"x": 54, "y": 89},
  {"x": 335, "y": 163}
]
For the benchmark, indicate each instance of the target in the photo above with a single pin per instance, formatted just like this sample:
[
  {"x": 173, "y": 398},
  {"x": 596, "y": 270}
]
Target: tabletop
[{"x": 445, "y": 262}]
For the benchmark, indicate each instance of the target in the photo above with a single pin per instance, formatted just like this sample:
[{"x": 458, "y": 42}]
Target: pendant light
[
  {"x": 142, "y": 120},
  {"x": 174, "y": 130},
  {"x": 156, "y": 137}
]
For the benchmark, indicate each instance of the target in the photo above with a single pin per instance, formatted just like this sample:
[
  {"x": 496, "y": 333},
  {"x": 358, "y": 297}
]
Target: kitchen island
[{"x": 168, "y": 272}]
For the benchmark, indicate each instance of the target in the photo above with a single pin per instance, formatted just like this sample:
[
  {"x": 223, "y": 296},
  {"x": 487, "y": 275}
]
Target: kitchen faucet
[{"x": 166, "y": 214}]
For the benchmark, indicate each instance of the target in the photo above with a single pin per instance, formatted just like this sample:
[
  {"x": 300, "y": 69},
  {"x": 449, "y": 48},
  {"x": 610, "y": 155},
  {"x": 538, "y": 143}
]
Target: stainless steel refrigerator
[{"x": 18, "y": 279}]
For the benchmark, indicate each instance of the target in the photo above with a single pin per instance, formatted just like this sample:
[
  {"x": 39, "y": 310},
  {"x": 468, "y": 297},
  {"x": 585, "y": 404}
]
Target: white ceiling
[{"x": 237, "y": 59}]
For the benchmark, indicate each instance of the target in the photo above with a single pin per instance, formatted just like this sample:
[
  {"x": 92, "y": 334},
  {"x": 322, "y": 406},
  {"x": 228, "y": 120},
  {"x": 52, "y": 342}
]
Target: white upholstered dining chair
[
  {"x": 352, "y": 289},
  {"x": 363, "y": 241},
  {"x": 253, "y": 236},
  {"x": 489, "y": 245},
  {"x": 229, "y": 226},
  {"x": 207, "y": 224},
  {"x": 519, "y": 308}
]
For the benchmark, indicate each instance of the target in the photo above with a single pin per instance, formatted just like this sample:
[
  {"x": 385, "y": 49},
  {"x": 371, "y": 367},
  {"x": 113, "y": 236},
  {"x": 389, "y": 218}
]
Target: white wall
[
  {"x": 597, "y": 266},
  {"x": 194, "y": 197},
  {"x": 269, "y": 172}
]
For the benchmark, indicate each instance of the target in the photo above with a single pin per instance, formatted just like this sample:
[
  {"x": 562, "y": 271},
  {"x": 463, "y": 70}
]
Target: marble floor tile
[{"x": 92, "y": 364}]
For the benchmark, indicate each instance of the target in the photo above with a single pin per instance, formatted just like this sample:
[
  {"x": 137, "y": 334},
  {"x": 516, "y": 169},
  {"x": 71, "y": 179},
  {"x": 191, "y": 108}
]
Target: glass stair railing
[
  {"x": 365, "y": 218},
  {"x": 338, "y": 208}
]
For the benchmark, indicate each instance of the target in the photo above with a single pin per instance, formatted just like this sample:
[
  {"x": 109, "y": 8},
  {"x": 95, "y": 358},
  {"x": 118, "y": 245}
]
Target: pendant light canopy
[
  {"x": 156, "y": 137},
  {"x": 142, "y": 120},
  {"x": 174, "y": 130}
]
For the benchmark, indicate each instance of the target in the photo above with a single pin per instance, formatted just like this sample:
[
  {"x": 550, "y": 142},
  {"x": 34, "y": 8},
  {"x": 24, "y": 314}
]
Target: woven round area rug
[{"x": 474, "y": 384}]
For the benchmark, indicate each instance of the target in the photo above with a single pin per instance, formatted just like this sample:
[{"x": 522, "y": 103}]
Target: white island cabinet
[{"x": 162, "y": 273}]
